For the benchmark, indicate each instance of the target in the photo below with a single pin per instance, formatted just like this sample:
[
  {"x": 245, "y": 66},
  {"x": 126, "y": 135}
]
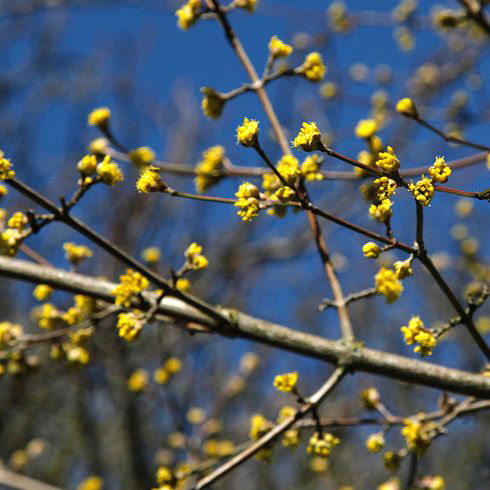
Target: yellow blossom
[
  {"x": 366, "y": 128},
  {"x": 418, "y": 433},
  {"x": 249, "y": 5},
  {"x": 415, "y": 332},
  {"x": 109, "y": 172},
  {"x": 131, "y": 283},
  {"x": 173, "y": 365},
  {"x": 160, "y": 376},
  {"x": 248, "y": 132},
  {"x": 99, "y": 117},
  {"x": 433, "y": 483},
  {"x": 149, "y": 180},
  {"x": 194, "y": 259},
  {"x": 76, "y": 253},
  {"x": 99, "y": 146},
  {"x": 212, "y": 103},
  {"x": 286, "y": 382},
  {"x": 259, "y": 426},
  {"x": 278, "y": 49},
  {"x": 91, "y": 483},
  {"x": 308, "y": 138},
  {"x": 17, "y": 221},
  {"x": 322, "y": 444},
  {"x": 288, "y": 167},
  {"x": 384, "y": 188},
  {"x": 129, "y": 325},
  {"x": 151, "y": 255},
  {"x": 440, "y": 171},
  {"x": 138, "y": 380},
  {"x": 208, "y": 170},
  {"x": 388, "y": 284},
  {"x": 375, "y": 442},
  {"x": 47, "y": 316},
  {"x": 248, "y": 201},
  {"x": 381, "y": 212},
  {"x": 370, "y": 398},
  {"x": 10, "y": 239},
  {"x": 388, "y": 161},
  {"x": 76, "y": 353},
  {"x": 313, "y": 68},
  {"x": 371, "y": 250},
  {"x": 188, "y": 14},
  {"x": 403, "y": 268},
  {"x": 406, "y": 107},
  {"x": 423, "y": 191},
  {"x": 310, "y": 168},
  {"x": 196, "y": 415},
  {"x": 183, "y": 284},
  {"x": 164, "y": 475},
  {"x": 3, "y": 191},
  {"x": 9, "y": 332},
  {"x": 42, "y": 292},
  {"x": 141, "y": 156},
  {"x": 6, "y": 171},
  {"x": 87, "y": 165}
]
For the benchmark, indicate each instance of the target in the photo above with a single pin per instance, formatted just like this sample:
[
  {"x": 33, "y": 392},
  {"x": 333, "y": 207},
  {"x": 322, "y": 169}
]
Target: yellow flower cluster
[
  {"x": 384, "y": 188},
  {"x": 171, "y": 366},
  {"x": 440, "y": 171},
  {"x": 288, "y": 167},
  {"x": 141, "y": 156},
  {"x": 423, "y": 190},
  {"x": 248, "y": 132},
  {"x": 9, "y": 333},
  {"x": 76, "y": 253},
  {"x": 47, "y": 315},
  {"x": 249, "y": 5},
  {"x": 42, "y": 292},
  {"x": 406, "y": 107},
  {"x": 375, "y": 442},
  {"x": 313, "y": 68},
  {"x": 99, "y": 117},
  {"x": 322, "y": 444},
  {"x": 381, "y": 212},
  {"x": 218, "y": 449},
  {"x": 259, "y": 426},
  {"x": 151, "y": 255},
  {"x": 286, "y": 382},
  {"x": 371, "y": 250},
  {"x": 388, "y": 284},
  {"x": 208, "y": 170},
  {"x": 87, "y": 165},
  {"x": 83, "y": 306},
  {"x": 388, "y": 161},
  {"x": 310, "y": 168},
  {"x": 109, "y": 172},
  {"x": 183, "y": 284},
  {"x": 366, "y": 128},
  {"x": 130, "y": 284},
  {"x": 10, "y": 239},
  {"x": 188, "y": 14},
  {"x": 308, "y": 138},
  {"x": 248, "y": 201},
  {"x": 370, "y": 398},
  {"x": 6, "y": 171},
  {"x": 149, "y": 180},
  {"x": 291, "y": 436},
  {"x": 91, "y": 483},
  {"x": 417, "y": 433},
  {"x": 212, "y": 103},
  {"x": 98, "y": 146},
  {"x": 278, "y": 49},
  {"x": 403, "y": 268},
  {"x": 415, "y": 332},
  {"x": 138, "y": 380},
  {"x": 194, "y": 258},
  {"x": 129, "y": 325},
  {"x": 17, "y": 221}
]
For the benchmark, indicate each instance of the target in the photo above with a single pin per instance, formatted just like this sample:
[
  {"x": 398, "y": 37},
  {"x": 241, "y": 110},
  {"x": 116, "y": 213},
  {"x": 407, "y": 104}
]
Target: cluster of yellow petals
[
  {"x": 388, "y": 284},
  {"x": 76, "y": 253},
  {"x": 418, "y": 433},
  {"x": 310, "y": 168},
  {"x": 212, "y": 103},
  {"x": 286, "y": 382},
  {"x": 322, "y": 444},
  {"x": 194, "y": 258},
  {"x": 149, "y": 180},
  {"x": 141, "y": 156},
  {"x": 129, "y": 325},
  {"x": 308, "y": 138},
  {"x": 406, "y": 107},
  {"x": 208, "y": 170},
  {"x": 387, "y": 160},
  {"x": 87, "y": 165},
  {"x": 131, "y": 283},
  {"x": 375, "y": 442},
  {"x": 188, "y": 14},
  {"x": 313, "y": 68},
  {"x": 248, "y": 201},
  {"x": 415, "y": 332},
  {"x": 109, "y": 172},
  {"x": 6, "y": 171},
  {"x": 248, "y": 132},
  {"x": 9, "y": 333},
  {"x": 440, "y": 171},
  {"x": 423, "y": 190},
  {"x": 371, "y": 250},
  {"x": 366, "y": 128},
  {"x": 278, "y": 49},
  {"x": 99, "y": 117},
  {"x": 381, "y": 212},
  {"x": 384, "y": 188},
  {"x": 249, "y": 5}
]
